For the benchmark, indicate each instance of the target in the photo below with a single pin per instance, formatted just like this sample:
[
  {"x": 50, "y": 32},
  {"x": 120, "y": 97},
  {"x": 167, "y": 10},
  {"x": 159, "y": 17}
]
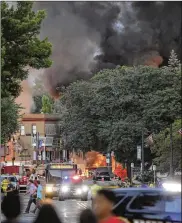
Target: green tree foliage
[
  {"x": 161, "y": 147},
  {"x": 21, "y": 49},
  {"x": 37, "y": 106},
  {"x": 20, "y": 45},
  {"x": 110, "y": 111},
  {"x": 9, "y": 118},
  {"x": 46, "y": 105}
]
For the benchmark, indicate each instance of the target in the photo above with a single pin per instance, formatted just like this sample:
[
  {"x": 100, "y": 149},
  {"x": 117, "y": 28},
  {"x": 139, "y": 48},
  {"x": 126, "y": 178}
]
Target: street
[{"x": 68, "y": 210}]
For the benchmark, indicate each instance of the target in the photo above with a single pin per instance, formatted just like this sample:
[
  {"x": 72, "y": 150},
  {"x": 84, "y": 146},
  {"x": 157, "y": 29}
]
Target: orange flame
[{"x": 154, "y": 61}]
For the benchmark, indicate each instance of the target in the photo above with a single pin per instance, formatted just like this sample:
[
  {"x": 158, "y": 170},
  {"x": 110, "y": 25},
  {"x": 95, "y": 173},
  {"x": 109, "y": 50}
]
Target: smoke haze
[{"x": 89, "y": 36}]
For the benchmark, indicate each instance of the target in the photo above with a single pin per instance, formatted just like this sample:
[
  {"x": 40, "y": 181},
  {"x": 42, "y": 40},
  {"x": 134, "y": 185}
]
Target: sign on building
[
  {"x": 139, "y": 154},
  {"x": 47, "y": 140}
]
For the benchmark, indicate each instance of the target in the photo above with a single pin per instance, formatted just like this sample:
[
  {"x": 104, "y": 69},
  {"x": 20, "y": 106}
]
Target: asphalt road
[{"x": 68, "y": 210}]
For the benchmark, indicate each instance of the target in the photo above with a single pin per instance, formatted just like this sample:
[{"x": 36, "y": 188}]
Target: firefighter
[
  {"x": 5, "y": 184},
  {"x": 151, "y": 185},
  {"x": 94, "y": 188}
]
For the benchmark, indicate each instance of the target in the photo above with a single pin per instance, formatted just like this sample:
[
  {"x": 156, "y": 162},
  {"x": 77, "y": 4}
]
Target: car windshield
[
  {"x": 11, "y": 179},
  {"x": 104, "y": 174}
]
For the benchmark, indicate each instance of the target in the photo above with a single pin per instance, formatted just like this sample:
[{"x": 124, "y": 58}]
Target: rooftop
[{"x": 40, "y": 117}]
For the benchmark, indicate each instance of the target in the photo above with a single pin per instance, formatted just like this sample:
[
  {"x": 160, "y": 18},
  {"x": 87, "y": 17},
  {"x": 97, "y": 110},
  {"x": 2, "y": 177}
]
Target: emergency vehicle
[
  {"x": 63, "y": 182},
  {"x": 149, "y": 205}
]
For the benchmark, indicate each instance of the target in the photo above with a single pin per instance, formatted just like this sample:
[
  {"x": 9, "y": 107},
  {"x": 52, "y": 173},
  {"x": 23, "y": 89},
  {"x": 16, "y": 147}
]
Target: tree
[
  {"x": 20, "y": 45},
  {"x": 46, "y": 105},
  {"x": 110, "y": 111},
  {"x": 161, "y": 147},
  {"x": 37, "y": 106},
  {"x": 9, "y": 118}
]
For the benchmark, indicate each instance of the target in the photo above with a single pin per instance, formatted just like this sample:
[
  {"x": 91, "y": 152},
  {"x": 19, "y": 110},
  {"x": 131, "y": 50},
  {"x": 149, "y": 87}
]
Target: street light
[
  {"x": 154, "y": 169},
  {"x": 132, "y": 166}
]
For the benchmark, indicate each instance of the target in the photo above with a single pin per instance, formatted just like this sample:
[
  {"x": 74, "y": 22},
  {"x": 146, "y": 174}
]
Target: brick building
[
  {"x": 24, "y": 145},
  {"x": 42, "y": 128}
]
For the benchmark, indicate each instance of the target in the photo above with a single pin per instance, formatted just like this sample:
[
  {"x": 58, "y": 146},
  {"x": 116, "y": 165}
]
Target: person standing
[
  {"x": 47, "y": 214},
  {"x": 10, "y": 189},
  {"x": 87, "y": 216},
  {"x": 11, "y": 208},
  {"x": 94, "y": 188},
  {"x": 103, "y": 204},
  {"x": 32, "y": 192},
  {"x": 35, "y": 182},
  {"x": 5, "y": 184},
  {"x": 39, "y": 197}
]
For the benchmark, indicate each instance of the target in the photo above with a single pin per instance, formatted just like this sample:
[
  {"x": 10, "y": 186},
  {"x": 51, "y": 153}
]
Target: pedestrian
[
  {"x": 47, "y": 214},
  {"x": 94, "y": 188},
  {"x": 35, "y": 182},
  {"x": 87, "y": 216},
  {"x": 103, "y": 205},
  {"x": 39, "y": 197},
  {"x": 10, "y": 189},
  {"x": 11, "y": 208},
  {"x": 4, "y": 184},
  {"x": 32, "y": 192}
]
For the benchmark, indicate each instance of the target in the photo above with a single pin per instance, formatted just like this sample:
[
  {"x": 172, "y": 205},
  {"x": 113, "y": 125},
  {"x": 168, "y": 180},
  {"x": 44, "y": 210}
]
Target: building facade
[{"x": 39, "y": 137}]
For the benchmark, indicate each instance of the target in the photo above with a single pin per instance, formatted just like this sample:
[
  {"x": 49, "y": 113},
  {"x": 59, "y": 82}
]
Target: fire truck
[{"x": 62, "y": 181}]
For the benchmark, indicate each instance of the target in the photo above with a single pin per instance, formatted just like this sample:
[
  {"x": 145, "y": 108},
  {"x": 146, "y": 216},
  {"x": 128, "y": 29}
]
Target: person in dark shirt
[
  {"x": 47, "y": 214},
  {"x": 35, "y": 182},
  {"x": 11, "y": 208},
  {"x": 87, "y": 216}
]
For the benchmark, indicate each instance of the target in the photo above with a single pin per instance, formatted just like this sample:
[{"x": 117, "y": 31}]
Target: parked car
[
  {"x": 13, "y": 181},
  {"x": 140, "y": 205}
]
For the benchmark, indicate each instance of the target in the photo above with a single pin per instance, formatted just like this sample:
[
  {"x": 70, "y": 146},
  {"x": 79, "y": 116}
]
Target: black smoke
[{"x": 89, "y": 36}]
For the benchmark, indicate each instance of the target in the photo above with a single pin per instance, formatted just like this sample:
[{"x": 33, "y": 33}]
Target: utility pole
[
  {"x": 37, "y": 146},
  {"x": 142, "y": 156},
  {"x": 171, "y": 150}
]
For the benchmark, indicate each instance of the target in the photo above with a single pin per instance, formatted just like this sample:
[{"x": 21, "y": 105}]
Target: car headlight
[
  {"x": 173, "y": 187},
  {"x": 79, "y": 191},
  {"x": 48, "y": 189},
  {"x": 64, "y": 189},
  {"x": 85, "y": 188}
]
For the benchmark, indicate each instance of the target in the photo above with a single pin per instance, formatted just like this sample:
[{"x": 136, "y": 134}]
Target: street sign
[
  {"x": 139, "y": 154},
  {"x": 112, "y": 153},
  {"x": 154, "y": 167}
]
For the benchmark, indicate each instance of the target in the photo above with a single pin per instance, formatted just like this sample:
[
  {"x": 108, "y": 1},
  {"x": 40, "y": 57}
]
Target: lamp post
[
  {"x": 171, "y": 150},
  {"x": 154, "y": 169},
  {"x": 132, "y": 166},
  {"x": 44, "y": 151},
  {"x": 142, "y": 150}
]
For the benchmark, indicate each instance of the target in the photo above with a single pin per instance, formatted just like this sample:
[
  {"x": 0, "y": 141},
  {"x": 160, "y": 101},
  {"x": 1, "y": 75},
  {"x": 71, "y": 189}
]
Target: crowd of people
[{"x": 101, "y": 211}]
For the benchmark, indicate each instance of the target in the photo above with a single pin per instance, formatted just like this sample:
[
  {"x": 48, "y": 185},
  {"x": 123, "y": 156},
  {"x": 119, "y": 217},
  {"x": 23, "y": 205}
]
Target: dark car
[
  {"x": 148, "y": 205},
  {"x": 103, "y": 176}
]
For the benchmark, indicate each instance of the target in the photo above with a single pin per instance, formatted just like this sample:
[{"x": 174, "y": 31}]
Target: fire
[
  {"x": 154, "y": 61},
  {"x": 95, "y": 159},
  {"x": 54, "y": 93}
]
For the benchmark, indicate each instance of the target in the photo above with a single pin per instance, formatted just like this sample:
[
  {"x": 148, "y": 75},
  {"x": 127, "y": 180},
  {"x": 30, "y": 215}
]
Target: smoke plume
[
  {"x": 25, "y": 99},
  {"x": 89, "y": 36}
]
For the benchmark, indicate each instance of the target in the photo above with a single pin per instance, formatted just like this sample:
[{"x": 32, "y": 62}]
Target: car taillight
[{"x": 76, "y": 177}]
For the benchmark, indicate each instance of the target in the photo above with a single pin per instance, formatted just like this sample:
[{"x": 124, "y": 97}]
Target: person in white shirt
[{"x": 32, "y": 191}]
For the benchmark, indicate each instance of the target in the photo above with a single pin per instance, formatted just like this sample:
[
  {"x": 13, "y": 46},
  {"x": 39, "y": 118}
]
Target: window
[
  {"x": 22, "y": 130},
  {"x": 34, "y": 129},
  {"x": 173, "y": 203},
  {"x": 119, "y": 198},
  {"x": 148, "y": 202}
]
